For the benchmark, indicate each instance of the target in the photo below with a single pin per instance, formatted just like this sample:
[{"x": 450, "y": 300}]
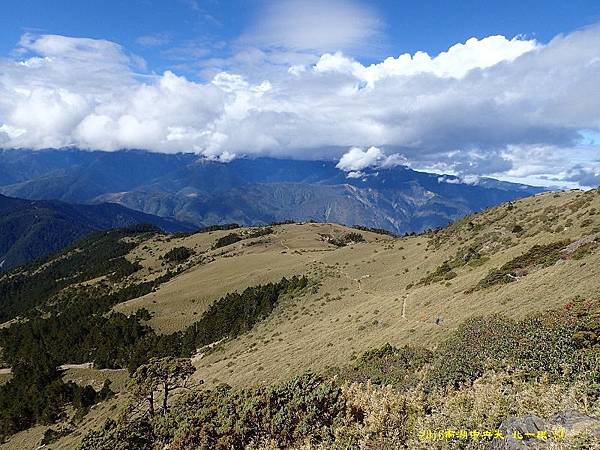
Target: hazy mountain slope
[
  {"x": 31, "y": 229},
  {"x": 543, "y": 251},
  {"x": 250, "y": 191}
]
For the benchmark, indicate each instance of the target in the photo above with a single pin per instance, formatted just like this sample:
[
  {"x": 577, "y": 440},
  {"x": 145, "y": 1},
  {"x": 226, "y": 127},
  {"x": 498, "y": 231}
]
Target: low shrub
[
  {"x": 464, "y": 256},
  {"x": 178, "y": 255},
  {"x": 228, "y": 239},
  {"x": 374, "y": 230},
  {"x": 305, "y": 408},
  {"x": 537, "y": 256},
  {"x": 227, "y": 226},
  {"x": 347, "y": 239},
  {"x": 259, "y": 232},
  {"x": 387, "y": 365}
]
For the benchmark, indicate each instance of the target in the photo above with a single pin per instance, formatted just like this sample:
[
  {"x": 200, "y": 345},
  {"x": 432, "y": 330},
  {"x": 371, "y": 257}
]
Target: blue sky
[
  {"x": 168, "y": 33},
  {"x": 507, "y": 89}
]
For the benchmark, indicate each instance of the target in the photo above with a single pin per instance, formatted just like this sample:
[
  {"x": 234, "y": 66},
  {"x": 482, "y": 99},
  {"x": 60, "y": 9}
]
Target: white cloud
[
  {"x": 450, "y": 180},
  {"x": 356, "y": 159},
  {"x": 356, "y": 174},
  {"x": 314, "y": 25},
  {"x": 510, "y": 108},
  {"x": 455, "y": 63}
]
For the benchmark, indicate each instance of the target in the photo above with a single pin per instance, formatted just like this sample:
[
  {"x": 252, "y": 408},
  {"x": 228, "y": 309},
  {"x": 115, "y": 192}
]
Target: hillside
[
  {"x": 363, "y": 287},
  {"x": 32, "y": 229},
  {"x": 250, "y": 191},
  {"x": 499, "y": 312}
]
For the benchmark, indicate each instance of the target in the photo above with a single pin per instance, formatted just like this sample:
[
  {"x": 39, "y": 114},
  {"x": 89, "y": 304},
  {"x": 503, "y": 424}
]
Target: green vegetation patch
[
  {"x": 81, "y": 330},
  {"x": 178, "y": 255},
  {"x": 304, "y": 408},
  {"x": 374, "y": 230},
  {"x": 99, "y": 254},
  {"x": 37, "y": 394},
  {"x": 556, "y": 344},
  {"x": 538, "y": 256},
  {"x": 232, "y": 238},
  {"x": 236, "y": 313},
  {"x": 387, "y": 365},
  {"x": 347, "y": 239},
  {"x": 210, "y": 228},
  {"x": 441, "y": 273},
  {"x": 259, "y": 232},
  {"x": 446, "y": 271},
  {"x": 228, "y": 239}
]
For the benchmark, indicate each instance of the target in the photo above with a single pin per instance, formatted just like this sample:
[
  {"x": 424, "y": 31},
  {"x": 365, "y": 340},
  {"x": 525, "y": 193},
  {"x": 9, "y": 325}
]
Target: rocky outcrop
[{"x": 528, "y": 432}]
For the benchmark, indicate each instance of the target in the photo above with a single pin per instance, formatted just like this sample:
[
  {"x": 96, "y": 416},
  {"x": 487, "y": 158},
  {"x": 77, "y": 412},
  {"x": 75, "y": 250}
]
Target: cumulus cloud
[
  {"x": 512, "y": 108},
  {"x": 356, "y": 159},
  {"x": 456, "y": 62}
]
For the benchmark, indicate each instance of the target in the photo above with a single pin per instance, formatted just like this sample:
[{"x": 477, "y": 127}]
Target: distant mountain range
[
  {"x": 31, "y": 229},
  {"x": 249, "y": 191}
]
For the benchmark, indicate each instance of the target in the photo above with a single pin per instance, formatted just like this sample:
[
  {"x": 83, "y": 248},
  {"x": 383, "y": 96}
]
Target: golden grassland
[
  {"x": 363, "y": 287},
  {"x": 365, "y": 294}
]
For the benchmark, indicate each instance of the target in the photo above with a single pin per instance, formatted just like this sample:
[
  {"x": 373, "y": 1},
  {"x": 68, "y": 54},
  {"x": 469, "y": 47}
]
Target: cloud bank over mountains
[{"x": 513, "y": 108}]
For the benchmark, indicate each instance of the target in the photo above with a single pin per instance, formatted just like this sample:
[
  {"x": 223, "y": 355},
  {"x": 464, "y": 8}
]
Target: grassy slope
[{"x": 347, "y": 316}]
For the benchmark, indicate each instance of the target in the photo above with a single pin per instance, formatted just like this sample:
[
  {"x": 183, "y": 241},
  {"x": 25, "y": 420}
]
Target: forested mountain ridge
[
  {"x": 250, "y": 191},
  {"x": 32, "y": 229},
  {"x": 490, "y": 321}
]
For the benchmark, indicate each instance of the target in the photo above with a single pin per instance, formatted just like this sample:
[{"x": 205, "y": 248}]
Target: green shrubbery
[
  {"x": 232, "y": 238},
  {"x": 37, "y": 394},
  {"x": 236, "y": 313},
  {"x": 544, "y": 344},
  {"x": 387, "y": 365},
  {"x": 346, "y": 239},
  {"x": 537, "y": 256},
  {"x": 488, "y": 369},
  {"x": 259, "y": 232},
  {"x": 304, "y": 408},
  {"x": 517, "y": 229},
  {"x": 228, "y": 239},
  {"x": 446, "y": 270},
  {"x": 374, "y": 230},
  {"x": 441, "y": 273},
  {"x": 133, "y": 435},
  {"x": 227, "y": 226},
  {"x": 178, "y": 255},
  {"x": 83, "y": 332},
  {"x": 99, "y": 254}
]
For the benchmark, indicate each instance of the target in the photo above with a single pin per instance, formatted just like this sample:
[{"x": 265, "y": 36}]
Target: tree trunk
[
  {"x": 151, "y": 404},
  {"x": 165, "y": 398}
]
